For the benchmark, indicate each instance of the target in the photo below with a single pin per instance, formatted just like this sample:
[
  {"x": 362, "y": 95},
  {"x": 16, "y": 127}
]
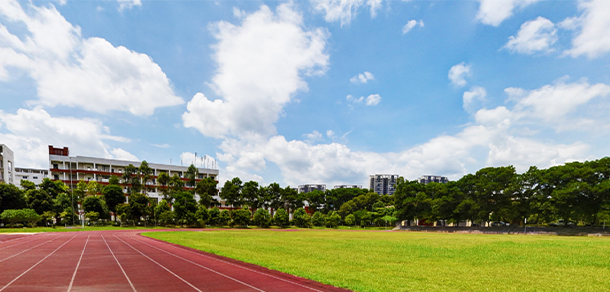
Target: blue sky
[{"x": 308, "y": 92}]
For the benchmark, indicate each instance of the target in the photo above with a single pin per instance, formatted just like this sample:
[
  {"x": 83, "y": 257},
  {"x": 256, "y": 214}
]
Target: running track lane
[
  {"x": 219, "y": 272},
  {"x": 123, "y": 261}
]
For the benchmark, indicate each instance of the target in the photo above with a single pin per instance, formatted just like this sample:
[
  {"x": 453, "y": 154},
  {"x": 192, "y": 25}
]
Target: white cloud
[
  {"x": 29, "y": 132},
  {"x": 497, "y": 136},
  {"x": 81, "y": 72},
  {"x": 330, "y": 134},
  {"x": 458, "y": 73},
  {"x": 121, "y": 154},
  {"x": 559, "y": 105},
  {"x": 353, "y": 99},
  {"x": 493, "y": 12},
  {"x": 411, "y": 24},
  {"x": 344, "y": 10},
  {"x": 473, "y": 98},
  {"x": 128, "y": 4},
  {"x": 313, "y": 137},
  {"x": 534, "y": 36},
  {"x": 592, "y": 38},
  {"x": 162, "y": 145},
  {"x": 362, "y": 78},
  {"x": 373, "y": 99},
  {"x": 260, "y": 68}
]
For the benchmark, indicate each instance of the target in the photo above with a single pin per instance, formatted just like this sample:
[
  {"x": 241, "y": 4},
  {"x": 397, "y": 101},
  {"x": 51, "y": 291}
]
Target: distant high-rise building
[
  {"x": 311, "y": 187},
  {"x": 383, "y": 184},
  {"x": 347, "y": 187},
  {"x": 426, "y": 179},
  {"x": 7, "y": 173}
]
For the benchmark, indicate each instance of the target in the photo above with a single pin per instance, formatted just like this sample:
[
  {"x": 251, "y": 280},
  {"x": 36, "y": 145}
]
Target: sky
[{"x": 301, "y": 92}]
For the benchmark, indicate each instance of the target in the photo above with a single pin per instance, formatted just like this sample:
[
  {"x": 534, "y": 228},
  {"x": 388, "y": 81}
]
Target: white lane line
[
  {"x": 33, "y": 247},
  {"x": 78, "y": 264},
  {"x": 160, "y": 265},
  {"x": 194, "y": 263},
  {"x": 117, "y": 261},
  {"x": 20, "y": 242},
  {"x": 36, "y": 264},
  {"x": 235, "y": 265}
]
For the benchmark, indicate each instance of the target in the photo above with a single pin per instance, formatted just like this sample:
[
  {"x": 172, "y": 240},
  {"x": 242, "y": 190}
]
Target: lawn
[
  {"x": 410, "y": 261},
  {"x": 74, "y": 228}
]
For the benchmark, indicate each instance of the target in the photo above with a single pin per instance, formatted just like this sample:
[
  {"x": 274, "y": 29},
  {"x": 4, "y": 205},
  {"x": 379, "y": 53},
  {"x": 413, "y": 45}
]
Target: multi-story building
[
  {"x": 347, "y": 187},
  {"x": 311, "y": 187},
  {"x": 34, "y": 175},
  {"x": 7, "y": 173},
  {"x": 72, "y": 169},
  {"x": 426, "y": 179},
  {"x": 383, "y": 184}
]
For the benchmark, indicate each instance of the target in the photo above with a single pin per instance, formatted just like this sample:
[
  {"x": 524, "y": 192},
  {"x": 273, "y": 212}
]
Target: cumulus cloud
[
  {"x": 260, "y": 67},
  {"x": 29, "y": 132},
  {"x": 458, "y": 73},
  {"x": 494, "y": 138},
  {"x": 473, "y": 98},
  {"x": 592, "y": 38},
  {"x": 362, "y": 78},
  {"x": 537, "y": 35},
  {"x": 411, "y": 24},
  {"x": 344, "y": 10},
  {"x": 494, "y": 12},
  {"x": 313, "y": 137},
  {"x": 81, "y": 72},
  {"x": 373, "y": 99},
  {"x": 128, "y": 4}
]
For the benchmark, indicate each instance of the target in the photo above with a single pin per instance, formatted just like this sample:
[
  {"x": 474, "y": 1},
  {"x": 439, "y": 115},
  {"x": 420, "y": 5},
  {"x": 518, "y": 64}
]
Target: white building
[
  {"x": 34, "y": 175},
  {"x": 7, "y": 173},
  {"x": 311, "y": 187},
  {"x": 383, "y": 184},
  {"x": 426, "y": 179},
  {"x": 71, "y": 169}
]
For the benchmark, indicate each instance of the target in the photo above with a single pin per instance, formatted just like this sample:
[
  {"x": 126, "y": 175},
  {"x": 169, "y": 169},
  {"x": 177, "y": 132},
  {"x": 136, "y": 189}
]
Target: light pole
[{"x": 71, "y": 189}]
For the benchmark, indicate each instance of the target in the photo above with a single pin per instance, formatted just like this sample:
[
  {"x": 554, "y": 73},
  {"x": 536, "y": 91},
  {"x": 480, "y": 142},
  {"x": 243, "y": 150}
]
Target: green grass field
[
  {"x": 70, "y": 229},
  {"x": 409, "y": 261}
]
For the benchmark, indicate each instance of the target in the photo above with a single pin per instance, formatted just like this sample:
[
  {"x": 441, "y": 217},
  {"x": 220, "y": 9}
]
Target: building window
[{"x": 35, "y": 177}]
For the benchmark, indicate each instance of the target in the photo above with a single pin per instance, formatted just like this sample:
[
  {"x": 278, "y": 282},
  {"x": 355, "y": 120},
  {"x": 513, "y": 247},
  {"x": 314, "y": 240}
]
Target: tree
[
  {"x": 145, "y": 175},
  {"x": 241, "y": 217},
  {"x": 27, "y": 185},
  {"x": 53, "y": 188},
  {"x": 47, "y": 216},
  {"x": 191, "y": 174},
  {"x": 292, "y": 199},
  {"x": 262, "y": 218},
  {"x": 206, "y": 189},
  {"x": 94, "y": 188},
  {"x": 96, "y": 204},
  {"x": 224, "y": 217},
  {"x": 273, "y": 195},
  {"x": 124, "y": 212},
  {"x": 11, "y": 216},
  {"x": 138, "y": 204},
  {"x": 11, "y": 198},
  {"x": 202, "y": 214},
  {"x": 113, "y": 195},
  {"x": 163, "y": 180},
  {"x": 29, "y": 216},
  {"x": 231, "y": 192},
  {"x": 350, "y": 220},
  {"x": 185, "y": 207},
  {"x": 161, "y": 208},
  {"x": 175, "y": 185},
  {"x": 281, "y": 218},
  {"x": 131, "y": 176},
  {"x": 300, "y": 218},
  {"x": 250, "y": 195},
  {"x": 93, "y": 216},
  {"x": 318, "y": 219},
  {"x": 315, "y": 199},
  {"x": 333, "y": 220},
  {"x": 114, "y": 180},
  {"x": 213, "y": 215},
  {"x": 39, "y": 200}
]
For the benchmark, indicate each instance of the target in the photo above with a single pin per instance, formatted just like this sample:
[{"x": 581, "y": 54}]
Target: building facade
[
  {"x": 383, "y": 184},
  {"x": 311, "y": 187},
  {"x": 347, "y": 187},
  {"x": 34, "y": 175},
  {"x": 7, "y": 164},
  {"x": 426, "y": 179},
  {"x": 72, "y": 169}
]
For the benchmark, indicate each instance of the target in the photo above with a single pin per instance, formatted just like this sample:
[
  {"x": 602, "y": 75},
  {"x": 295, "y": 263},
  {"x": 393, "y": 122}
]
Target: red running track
[{"x": 126, "y": 261}]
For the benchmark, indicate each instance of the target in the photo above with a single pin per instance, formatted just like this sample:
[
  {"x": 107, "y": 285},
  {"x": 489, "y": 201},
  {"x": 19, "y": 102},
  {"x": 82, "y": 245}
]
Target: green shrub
[
  {"x": 241, "y": 217},
  {"x": 318, "y": 219},
  {"x": 262, "y": 218},
  {"x": 300, "y": 218},
  {"x": 281, "y": 218}
]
